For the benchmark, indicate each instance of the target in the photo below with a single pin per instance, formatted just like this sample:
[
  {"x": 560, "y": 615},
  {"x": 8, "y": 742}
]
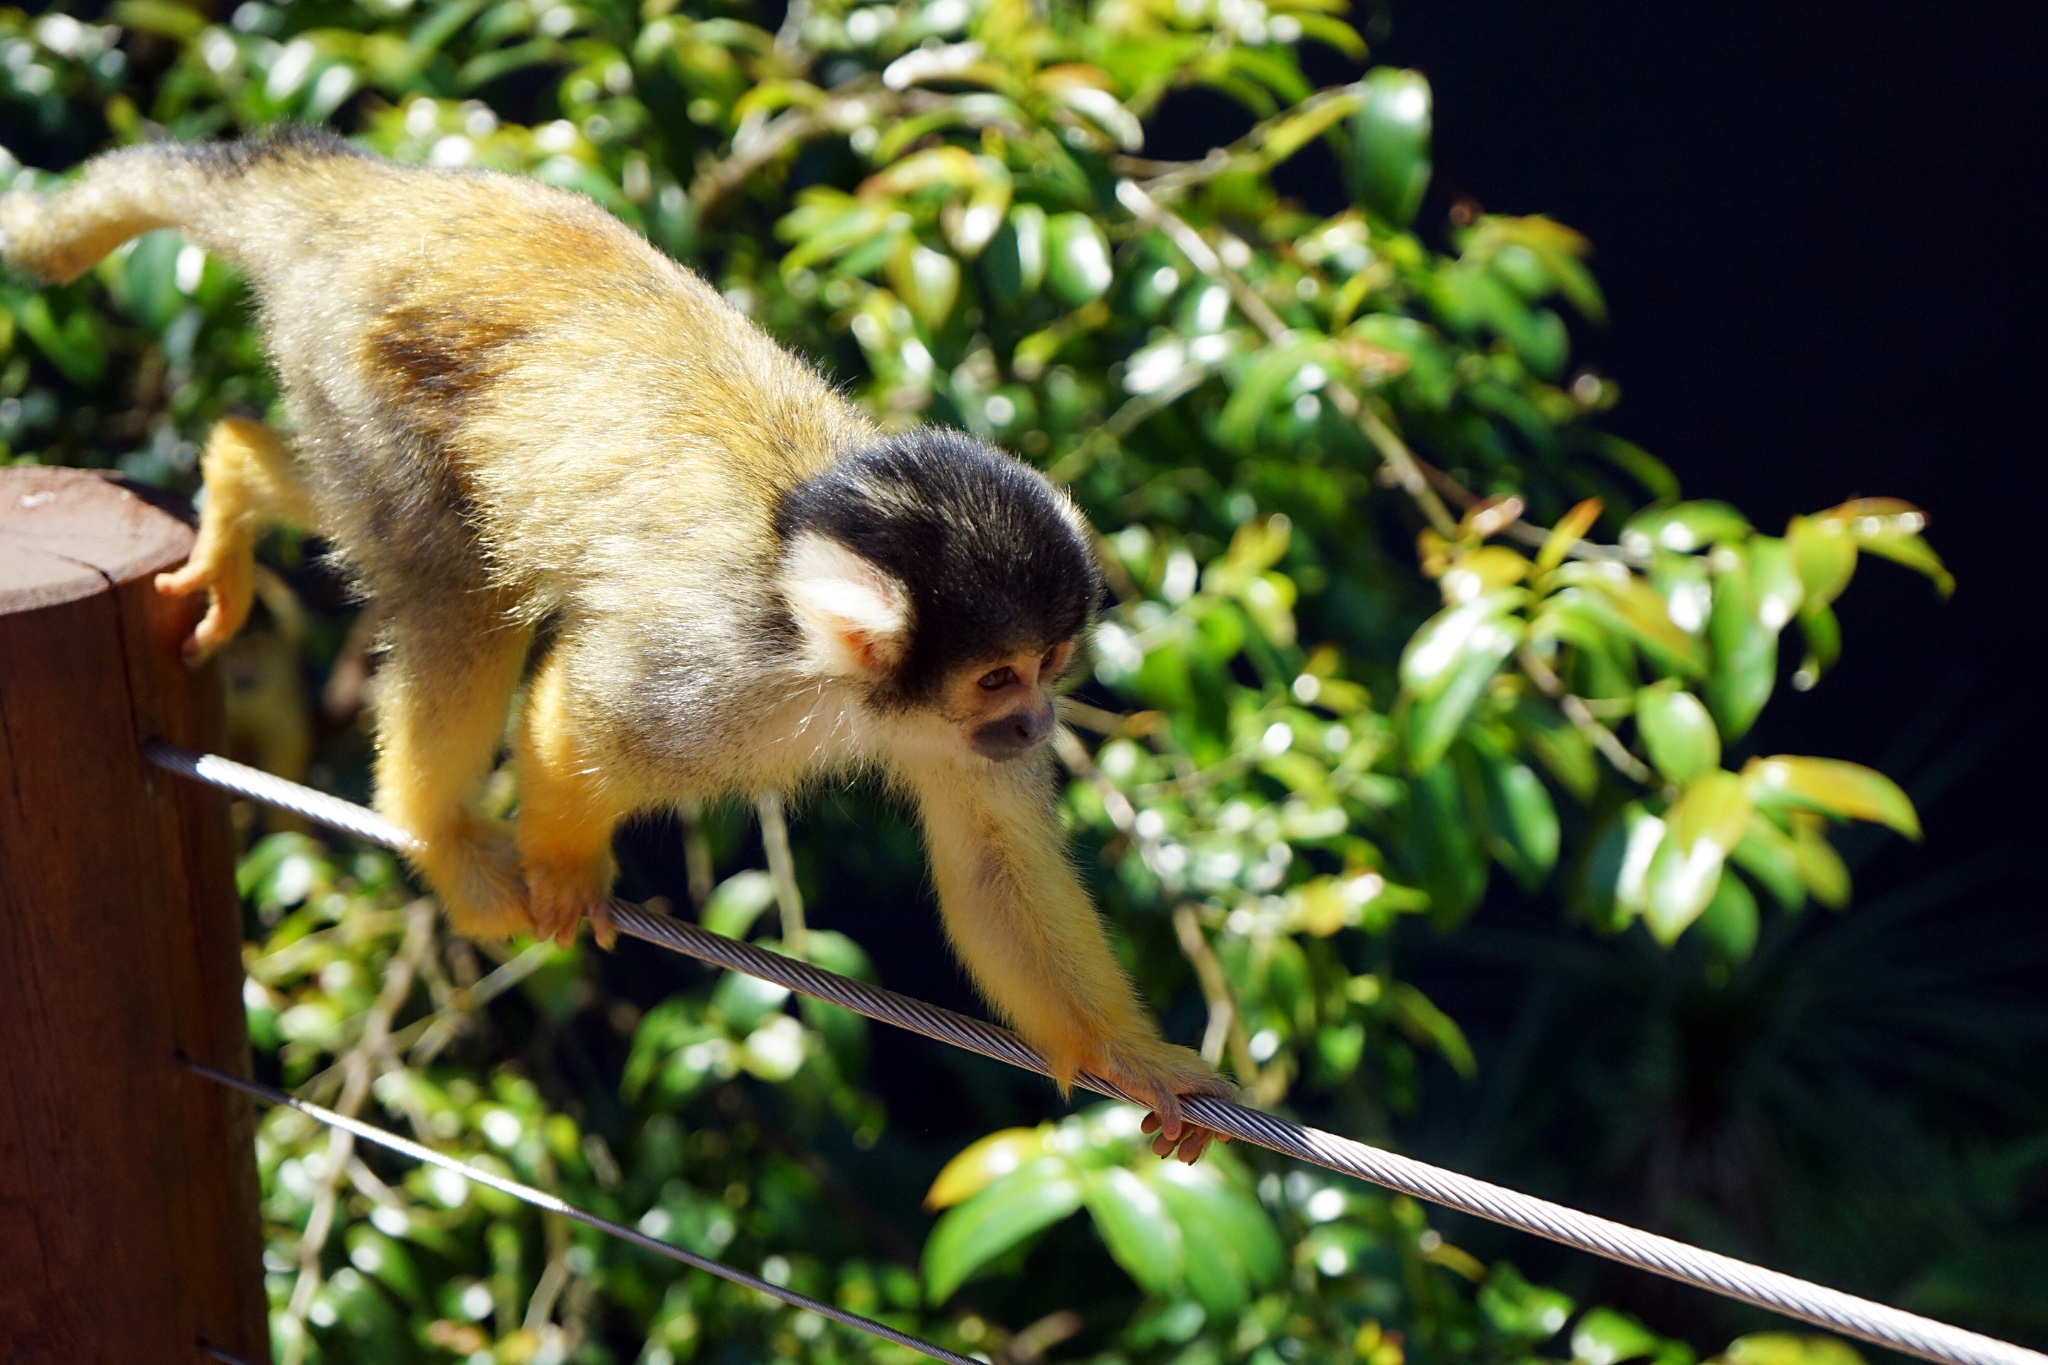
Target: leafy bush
[{"x": 1395, "y": 621}]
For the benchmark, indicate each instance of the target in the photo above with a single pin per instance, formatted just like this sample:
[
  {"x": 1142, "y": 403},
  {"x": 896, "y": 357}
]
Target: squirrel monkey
[{"x": 508, "y": 409}]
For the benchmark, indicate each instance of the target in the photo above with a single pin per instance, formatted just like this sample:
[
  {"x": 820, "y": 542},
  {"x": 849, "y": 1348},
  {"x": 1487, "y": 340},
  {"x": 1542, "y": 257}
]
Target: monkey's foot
[
  {"x": 560, "y": 900},
  {"x": 224, "y": 568},
  {"x": 1159, "y": 1076},
  {"x": 473, "y": 867}
]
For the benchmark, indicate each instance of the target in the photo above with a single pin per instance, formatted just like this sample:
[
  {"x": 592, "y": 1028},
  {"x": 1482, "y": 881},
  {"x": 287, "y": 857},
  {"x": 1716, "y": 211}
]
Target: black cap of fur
[{"x": 981, "y": 543}]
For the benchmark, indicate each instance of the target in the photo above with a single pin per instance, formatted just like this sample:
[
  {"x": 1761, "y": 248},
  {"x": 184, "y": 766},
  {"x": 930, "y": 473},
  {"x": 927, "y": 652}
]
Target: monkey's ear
[{"x": 854, "y": 615}]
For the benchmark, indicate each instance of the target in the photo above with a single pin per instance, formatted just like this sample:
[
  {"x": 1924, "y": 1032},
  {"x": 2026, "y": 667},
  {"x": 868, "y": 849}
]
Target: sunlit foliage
[{"x": 1396, "y": 621}]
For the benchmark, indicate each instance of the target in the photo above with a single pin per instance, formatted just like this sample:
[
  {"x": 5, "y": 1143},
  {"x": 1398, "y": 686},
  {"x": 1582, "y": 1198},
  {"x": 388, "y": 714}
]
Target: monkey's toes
[
  {"x": 560, "y": 906},
  {"x": 230, "y": 597},
  {"x": 181, "y": 582},
  {"x": 474, "y": 871}
]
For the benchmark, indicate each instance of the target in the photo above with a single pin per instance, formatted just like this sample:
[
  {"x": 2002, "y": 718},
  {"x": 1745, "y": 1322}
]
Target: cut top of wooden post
[{"x": 69, "y": 533}]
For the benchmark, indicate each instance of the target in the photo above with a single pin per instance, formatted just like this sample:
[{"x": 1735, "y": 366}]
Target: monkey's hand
[{"x": 1159, "y": 1076}]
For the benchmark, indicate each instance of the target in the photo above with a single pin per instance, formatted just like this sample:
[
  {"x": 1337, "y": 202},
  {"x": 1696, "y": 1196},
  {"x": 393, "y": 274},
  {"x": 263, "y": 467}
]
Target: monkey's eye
[
  {"x": 997, "y": 678},
  {"x": 1050, "y": 663}
]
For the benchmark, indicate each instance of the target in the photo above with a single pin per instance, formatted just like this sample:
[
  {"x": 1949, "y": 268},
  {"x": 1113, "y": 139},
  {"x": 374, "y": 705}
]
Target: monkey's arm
[
  {"x": 1022, "y": 922},
  {"x": 569, "y": 802}
]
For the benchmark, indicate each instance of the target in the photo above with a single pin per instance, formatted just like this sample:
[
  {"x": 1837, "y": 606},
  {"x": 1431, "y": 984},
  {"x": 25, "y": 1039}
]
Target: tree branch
[{"x": 1576, "y": 711}]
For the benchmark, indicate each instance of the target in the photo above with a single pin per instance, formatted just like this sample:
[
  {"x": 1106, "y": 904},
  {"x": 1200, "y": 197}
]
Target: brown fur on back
[{"x": 502, "y": 400}]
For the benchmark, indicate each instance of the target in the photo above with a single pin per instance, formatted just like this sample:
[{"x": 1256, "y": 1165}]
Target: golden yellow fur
[{"x": 510, "y": 414}]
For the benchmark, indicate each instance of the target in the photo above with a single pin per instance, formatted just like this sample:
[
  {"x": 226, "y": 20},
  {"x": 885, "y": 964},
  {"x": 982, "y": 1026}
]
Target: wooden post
[{"x": 129, "y": 1226}]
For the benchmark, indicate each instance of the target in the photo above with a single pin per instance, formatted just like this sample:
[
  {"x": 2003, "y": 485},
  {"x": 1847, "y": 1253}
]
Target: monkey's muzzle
[{"x": 1014, "y": 735}]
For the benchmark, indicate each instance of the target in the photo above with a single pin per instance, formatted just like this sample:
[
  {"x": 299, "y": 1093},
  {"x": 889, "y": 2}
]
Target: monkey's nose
[{"x": 1013, "y": 735}]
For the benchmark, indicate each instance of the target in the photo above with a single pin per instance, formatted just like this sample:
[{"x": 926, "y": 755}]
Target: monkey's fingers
[
  {"x": 1160, "y": 1076},
  {"x": 1192, "y": 1142},
  {"x": 1167, "y": 1114}
]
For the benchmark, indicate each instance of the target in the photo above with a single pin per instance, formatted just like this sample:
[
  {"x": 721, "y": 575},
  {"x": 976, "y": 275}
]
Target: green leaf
[
  {"x": 144, "y": 283},
  {"x": 1639, "y": 464},
  {"x": 1447, "y": 666},
  {"x": 1433, "y": 722},
  {"x": 1391, "y": 136},
  {"x": 1603, "y": 1336},
  {"x": 1077, "y": 258},
  {"x": 1768, "y": 854},
  {"x": 743, "y": 1001},
  {"x": 1133, "y": 1222},
  {"x": 1715, "y": 808},
  {"x": 928, "y": 280},
  {"x": 1821, "y": 868},
  {"x": 984, "y": 1162},
  {"x": 1745, "y": 650},
  {"x": 1449, "y": 866},
  {"x": 1678, "y": 732},
  {"x": 1521, "y": 822},
  {"x": 1789, "y": 1348},
  {"x": 1295, "y": 131},
  {"x": 1823, "y": 634},
  {"x": 1532, "y": 1312},
  {"x": 1560, "y": 250},
  {"x": 1684, "y": 528},
  {"x": 1260, "y": 384},
  {"x": 1631, "y": 607},
  {"x": 1571, "y": 528},
  {"x": 1917, "y": 555},
  {"x": 1705, "y": 824},
  {"x": 1014, "y": 263},
  {"x": 1891, "y": 527},
  {"x": 827, "y": 223},
  {"x": 1430, "y": 371},
  {"x": 1728, "y": 926},
  {"x": 1678, "y": 888},
  {"x": 1608, "y": 891},
  {"x": 1419, "y": 1018},
  {"x": 1232, "y": 1246},
  {"x": 992, "y": 1222},
  {"x": 160, "y": 17},
  {"x": 1560, "y": 746},
  {"x": 385, "y": 1259},
  {"x": 1775, "y": 589},
  {"x": 739, "y": 901},
  {"x": 1847, "y": 791},
  {"x": 1823, "y": 555},
  {"x": 73, "y": 345}
]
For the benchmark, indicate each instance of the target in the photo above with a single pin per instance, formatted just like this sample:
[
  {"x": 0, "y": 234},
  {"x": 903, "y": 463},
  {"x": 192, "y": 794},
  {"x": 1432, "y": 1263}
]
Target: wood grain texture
[{"x": 129, "y": 1227}]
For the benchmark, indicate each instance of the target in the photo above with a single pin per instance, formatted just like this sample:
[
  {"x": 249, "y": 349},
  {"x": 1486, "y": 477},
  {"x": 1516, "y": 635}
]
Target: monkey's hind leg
[
  {"x": 442, "y": 697},
  {"x": 250, "y": 486}
]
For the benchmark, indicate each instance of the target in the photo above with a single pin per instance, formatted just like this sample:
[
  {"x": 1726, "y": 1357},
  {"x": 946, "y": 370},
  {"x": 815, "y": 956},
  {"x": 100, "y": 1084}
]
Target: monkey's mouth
[{"x": 1014, "y": 735}]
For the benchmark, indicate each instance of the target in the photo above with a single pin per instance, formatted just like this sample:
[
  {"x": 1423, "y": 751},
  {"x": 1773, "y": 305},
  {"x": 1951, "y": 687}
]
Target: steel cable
[
  {"x": 541, "y": 1199},
  {"x": 1816, "y": 1304}
]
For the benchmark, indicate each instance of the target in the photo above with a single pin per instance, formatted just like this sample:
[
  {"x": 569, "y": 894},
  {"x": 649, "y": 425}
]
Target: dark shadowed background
[{"x": 1817, "y": 228}]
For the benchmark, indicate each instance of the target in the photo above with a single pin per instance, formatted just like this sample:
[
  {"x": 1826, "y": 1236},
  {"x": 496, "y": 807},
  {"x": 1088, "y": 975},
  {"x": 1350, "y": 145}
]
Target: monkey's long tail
[{"x": 204, "y": 190}]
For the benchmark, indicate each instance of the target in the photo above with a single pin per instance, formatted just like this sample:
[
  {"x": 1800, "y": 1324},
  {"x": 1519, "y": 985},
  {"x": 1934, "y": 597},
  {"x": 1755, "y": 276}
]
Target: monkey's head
[{"x": 943, "y": 576}]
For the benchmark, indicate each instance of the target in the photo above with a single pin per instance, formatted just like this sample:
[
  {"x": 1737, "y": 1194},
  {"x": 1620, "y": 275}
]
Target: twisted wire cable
[
  {"x": 1847, "y": 1314},
  {"x": 541, "y": 1199}
]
